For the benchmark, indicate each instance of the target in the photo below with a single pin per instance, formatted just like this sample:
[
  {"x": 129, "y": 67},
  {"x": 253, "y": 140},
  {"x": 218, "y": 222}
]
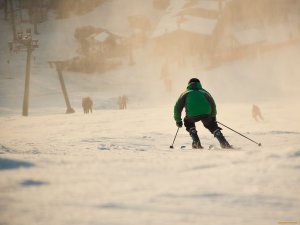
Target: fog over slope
[{"x": 268, "y": 76}]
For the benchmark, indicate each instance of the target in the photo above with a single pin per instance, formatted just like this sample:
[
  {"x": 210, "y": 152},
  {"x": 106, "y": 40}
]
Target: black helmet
[{"x": 194, "y": 80}]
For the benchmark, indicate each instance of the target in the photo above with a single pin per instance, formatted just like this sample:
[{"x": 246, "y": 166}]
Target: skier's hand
[{"x": 179, "y": 124}]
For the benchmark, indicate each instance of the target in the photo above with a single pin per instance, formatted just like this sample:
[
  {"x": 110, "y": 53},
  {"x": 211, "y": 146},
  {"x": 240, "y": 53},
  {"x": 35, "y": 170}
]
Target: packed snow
[{"x": 116, "y": 166}]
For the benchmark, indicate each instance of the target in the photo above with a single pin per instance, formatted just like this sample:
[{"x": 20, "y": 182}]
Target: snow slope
[
  {"x": 96, "y": 169},
  {"x": 115, "y": 166}
]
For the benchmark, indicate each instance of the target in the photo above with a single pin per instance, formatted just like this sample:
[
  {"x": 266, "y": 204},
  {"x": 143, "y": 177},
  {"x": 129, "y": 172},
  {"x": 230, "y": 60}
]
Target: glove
[{"x": 179, "y": 124}]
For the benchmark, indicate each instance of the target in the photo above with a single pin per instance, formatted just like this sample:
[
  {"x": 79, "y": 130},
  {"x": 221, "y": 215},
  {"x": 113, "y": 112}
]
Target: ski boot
[
  {"x": 224, "y": 144},
  {"x": 196, "y": 141}
]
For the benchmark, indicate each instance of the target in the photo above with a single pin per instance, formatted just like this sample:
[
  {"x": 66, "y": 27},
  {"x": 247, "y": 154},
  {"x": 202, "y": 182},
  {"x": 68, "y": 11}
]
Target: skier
[
  {"x": 199, "y": 105},
  {"x": 122, "y": 101},
  {"x": 87, "y": 105},
  {"x": 256, "y": 113}
]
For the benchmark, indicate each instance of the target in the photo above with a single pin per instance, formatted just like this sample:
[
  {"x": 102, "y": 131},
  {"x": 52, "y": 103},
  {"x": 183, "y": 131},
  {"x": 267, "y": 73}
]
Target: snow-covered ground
[{"x": 115, "y": 166}]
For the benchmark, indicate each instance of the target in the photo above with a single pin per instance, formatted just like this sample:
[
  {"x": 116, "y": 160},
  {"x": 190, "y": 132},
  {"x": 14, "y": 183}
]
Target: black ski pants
[{"x": 209, "y": 122}]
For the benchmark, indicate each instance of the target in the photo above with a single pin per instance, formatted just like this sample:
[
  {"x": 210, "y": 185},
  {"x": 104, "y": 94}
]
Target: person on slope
[{"x": 199, "y": 106}]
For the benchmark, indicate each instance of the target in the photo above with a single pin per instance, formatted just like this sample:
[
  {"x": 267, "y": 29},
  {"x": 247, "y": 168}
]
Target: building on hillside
[
  {"x": 222, "y": 30},
  {"x": 106, "y": 44},
  {"x": 188, "y": 28},
  {"x": 100, "y": 51},
  {"x": 237, "y": 44}
]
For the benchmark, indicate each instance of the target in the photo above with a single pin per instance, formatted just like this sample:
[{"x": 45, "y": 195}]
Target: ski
[{"x": 209, "y": 147}]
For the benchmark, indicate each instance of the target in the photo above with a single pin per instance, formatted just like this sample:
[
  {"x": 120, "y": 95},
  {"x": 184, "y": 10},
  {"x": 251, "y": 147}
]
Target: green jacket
[{"x": 196, "y": 101}]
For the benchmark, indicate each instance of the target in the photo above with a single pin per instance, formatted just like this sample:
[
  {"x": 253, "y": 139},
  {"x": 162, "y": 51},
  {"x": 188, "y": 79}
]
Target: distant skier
[
  {"x": 122, "y": 101},
  {"x": 199, "y": 106},
  {"x": 256, "y": 113},
  {"x": 87, "y": 105}
]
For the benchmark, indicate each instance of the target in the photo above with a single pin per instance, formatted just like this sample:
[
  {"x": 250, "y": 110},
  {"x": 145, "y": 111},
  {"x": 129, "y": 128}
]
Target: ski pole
[
  {"x": 171, "y": 146},
  {"x": 259, "y": 144}
]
